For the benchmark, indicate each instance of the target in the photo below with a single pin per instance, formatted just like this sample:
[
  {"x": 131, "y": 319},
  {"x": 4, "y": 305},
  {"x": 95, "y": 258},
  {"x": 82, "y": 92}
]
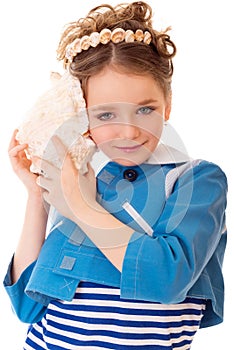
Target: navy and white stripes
[{"x": 97, "y": 318}]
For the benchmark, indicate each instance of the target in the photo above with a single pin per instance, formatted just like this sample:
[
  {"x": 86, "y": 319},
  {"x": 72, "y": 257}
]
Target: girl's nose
[{"x": 129, "y": 131}]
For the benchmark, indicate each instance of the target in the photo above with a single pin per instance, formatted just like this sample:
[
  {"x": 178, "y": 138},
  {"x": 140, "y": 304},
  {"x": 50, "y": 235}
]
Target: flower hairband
[{"x": 104, "y": 37}]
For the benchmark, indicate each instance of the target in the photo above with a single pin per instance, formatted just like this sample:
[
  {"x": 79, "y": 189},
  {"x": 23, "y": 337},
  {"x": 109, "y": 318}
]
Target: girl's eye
[
  {"x": 145, "y": 110},
  {"x": 105, "y": 116}
]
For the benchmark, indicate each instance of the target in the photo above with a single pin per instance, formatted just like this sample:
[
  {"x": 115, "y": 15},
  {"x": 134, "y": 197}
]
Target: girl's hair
[{"x": 136, "y": 57}]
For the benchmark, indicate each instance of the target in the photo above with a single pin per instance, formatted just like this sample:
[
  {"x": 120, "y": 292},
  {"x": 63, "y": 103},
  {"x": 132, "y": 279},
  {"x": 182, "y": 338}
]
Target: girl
[{"x": 134, "y": 254}]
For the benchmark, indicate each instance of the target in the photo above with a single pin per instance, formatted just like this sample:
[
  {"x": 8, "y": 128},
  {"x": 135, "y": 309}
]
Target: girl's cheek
[
  {"x": 98, "y": 138},
  {"x": 102, "y": 134}
]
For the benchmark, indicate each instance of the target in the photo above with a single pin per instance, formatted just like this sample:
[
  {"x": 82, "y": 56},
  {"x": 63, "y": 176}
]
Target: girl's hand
[
  {"x": 21, "y": 165},
  {"x": 66, "y": 189}
]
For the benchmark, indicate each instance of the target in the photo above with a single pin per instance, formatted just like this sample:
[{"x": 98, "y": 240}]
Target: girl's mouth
[{"x": 129, "y": 149}]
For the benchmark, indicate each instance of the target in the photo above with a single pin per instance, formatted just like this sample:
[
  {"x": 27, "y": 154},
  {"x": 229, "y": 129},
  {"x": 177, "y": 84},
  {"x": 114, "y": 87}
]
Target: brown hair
[{"x": 136, "y": 57}]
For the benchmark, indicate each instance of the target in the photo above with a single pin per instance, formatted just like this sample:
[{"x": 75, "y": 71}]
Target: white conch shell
[
  {"x": 60, "y": 111},
  {"x": 55, "y": 77}
]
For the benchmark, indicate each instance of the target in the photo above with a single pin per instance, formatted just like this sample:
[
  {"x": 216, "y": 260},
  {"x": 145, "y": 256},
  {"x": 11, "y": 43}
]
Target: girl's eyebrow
[
  {"x": 103, "y": 108},
  {"x": 147, "y": 101}
]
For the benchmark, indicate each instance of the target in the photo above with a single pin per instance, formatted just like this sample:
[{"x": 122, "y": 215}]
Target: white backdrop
[{"x": 202, "y": 108}]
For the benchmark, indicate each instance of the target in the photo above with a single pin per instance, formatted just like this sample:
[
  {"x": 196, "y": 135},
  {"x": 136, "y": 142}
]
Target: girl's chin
[
  {"x": 125, "y": 162},
  {"x": 129, "y": 162}
]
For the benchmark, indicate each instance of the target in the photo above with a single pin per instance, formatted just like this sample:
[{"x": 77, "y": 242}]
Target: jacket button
[{"x": 130, "y": 175}]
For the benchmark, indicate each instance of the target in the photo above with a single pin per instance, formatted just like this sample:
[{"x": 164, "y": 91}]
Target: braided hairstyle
[{"x": 135, "y": 57}]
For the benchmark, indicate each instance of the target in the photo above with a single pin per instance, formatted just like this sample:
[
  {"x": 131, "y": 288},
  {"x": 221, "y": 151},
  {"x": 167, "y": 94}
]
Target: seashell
[
  {"x": 147, "y": 37},
  {"x": 55, "y": 77},
  {"x": 59, "y": 111},
  {"x": 94, "y": 39},
  {"x": 129, "y": 36},
  {"x": 105, "y": 36},
  {"x": 139, "y": 35},
  {"x": 118, "y": 35},
  {"x": 69, "y": 54},
  {"x": 84, "y": 42},
  {"x": 76, "y": 46}
]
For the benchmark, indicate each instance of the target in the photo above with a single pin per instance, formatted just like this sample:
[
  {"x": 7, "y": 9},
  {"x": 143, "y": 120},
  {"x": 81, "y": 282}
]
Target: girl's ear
[
  {"x": 167, "y": 111},
  {"x": 168, "y": 107}
]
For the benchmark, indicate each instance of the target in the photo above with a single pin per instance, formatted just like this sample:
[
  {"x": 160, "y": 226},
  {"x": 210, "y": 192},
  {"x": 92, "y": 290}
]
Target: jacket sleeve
[
  {"x": 26, "y": 309},
  {"x": 165, "y": 266}
]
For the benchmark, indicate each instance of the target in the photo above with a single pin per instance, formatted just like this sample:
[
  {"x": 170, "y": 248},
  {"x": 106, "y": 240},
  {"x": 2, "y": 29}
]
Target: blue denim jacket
[{"x": 184, "y": 205}]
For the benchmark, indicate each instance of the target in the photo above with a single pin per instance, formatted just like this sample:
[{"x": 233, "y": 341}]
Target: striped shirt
[{"x": 97, "y": 318}]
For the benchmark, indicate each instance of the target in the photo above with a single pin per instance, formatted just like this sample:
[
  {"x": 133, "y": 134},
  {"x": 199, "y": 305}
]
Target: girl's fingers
[
  {"x": 14, "y": 151},
  {"x": 46, "y": 169},
  {"x": 13, "y": 141}
]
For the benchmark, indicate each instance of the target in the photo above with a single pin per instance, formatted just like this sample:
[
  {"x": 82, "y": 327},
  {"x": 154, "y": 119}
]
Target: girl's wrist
[
  {"x": 35, "y": 200},
  {"x": 34, "y": 196}
]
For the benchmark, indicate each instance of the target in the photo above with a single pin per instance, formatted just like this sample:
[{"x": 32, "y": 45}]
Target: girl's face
[{"x": 126, "y": 115}]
